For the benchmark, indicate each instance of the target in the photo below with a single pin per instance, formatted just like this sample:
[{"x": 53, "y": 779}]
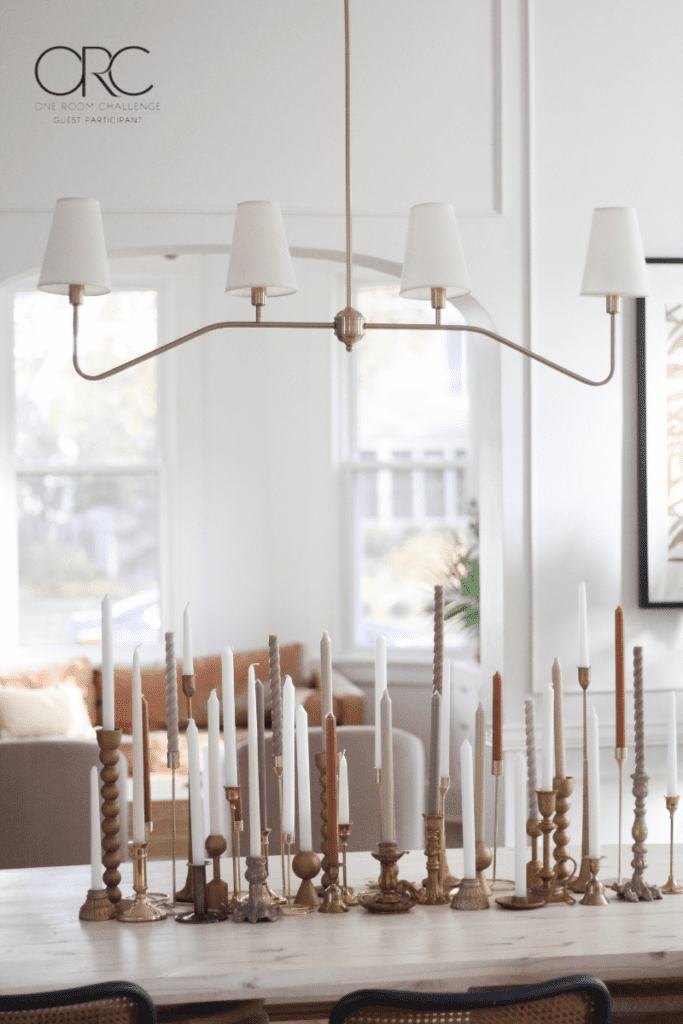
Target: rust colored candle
[
  {"x": 145, "y": 751},
  {"x": 620, "y": 686},
  {"x": 497, "y": 717},
  {"x": 331, "y": 755}
]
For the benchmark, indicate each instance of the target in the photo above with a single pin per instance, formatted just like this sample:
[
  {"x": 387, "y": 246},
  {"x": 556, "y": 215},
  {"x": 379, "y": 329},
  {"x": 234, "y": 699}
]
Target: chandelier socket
[
  {"x": 613, "y": 303},
  {"x": 438, "y": 298},
  {"x": 76, "y": 293},
  {"x": 349, "y": 326},
  {"x": 259, "y": 296}
]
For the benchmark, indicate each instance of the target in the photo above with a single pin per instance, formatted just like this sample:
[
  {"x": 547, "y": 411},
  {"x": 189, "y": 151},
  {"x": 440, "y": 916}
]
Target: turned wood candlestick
[
  {"x": 109, "y": 741},
  {"x": 564, "y": 788}
]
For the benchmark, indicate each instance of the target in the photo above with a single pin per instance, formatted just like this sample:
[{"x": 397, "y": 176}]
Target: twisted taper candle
[
  {"x": 530, "y": 724},
  {"x": 275, "y": 694}
]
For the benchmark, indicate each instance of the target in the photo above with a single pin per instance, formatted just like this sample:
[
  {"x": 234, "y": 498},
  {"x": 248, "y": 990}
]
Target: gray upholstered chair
[
  {"x": 45, "y": 801},
  {"x": 359, "y": 743}
]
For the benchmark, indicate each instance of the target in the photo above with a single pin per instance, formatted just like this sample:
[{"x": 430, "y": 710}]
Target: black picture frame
[{"x": 646, "y": 556}]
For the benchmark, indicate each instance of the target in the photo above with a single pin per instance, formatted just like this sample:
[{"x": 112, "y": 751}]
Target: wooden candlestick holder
[
  {"x": 217, "y": 891},
  {"x": 97, "y": 907},
  {"x": 433, "y": 894},
  {"x": 306, "y": 865},
  {"x": 484, "y": 856},
  {"x": 109, "y": 741}
]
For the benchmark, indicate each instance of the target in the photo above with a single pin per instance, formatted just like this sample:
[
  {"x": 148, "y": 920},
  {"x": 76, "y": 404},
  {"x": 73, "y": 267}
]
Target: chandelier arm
[
  {"x": 179, "y": 341},
  {"x": 510, "y": 344}
]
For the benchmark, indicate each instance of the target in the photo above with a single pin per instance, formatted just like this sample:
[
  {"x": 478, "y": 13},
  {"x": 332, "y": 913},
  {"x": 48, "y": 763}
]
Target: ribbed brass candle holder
[
  {"x": 186, "y": 894},
  {"x": 109, "y": 741},
  {"x": 201, "y": 913},
  {"x": 393, "y": 896},
  {"x": 255, "y": 908},
  {"x": 564, "y": 788},
  {"x": 142, "y": 909},
  {"x": 234, "y": 798},
  {"x": 97, "y": 907},
  {"x": 671, "y": 888},
  {"x": 306, "y": 865},
  {"x": 469, "y": 896},
  {"x": 579, "y": 885},
  {"x": 347, "y": 892},
  {"x": 217, "y": 891},
  {"x": 594, "y": 896},
  {"x": 434, "y": 895}
]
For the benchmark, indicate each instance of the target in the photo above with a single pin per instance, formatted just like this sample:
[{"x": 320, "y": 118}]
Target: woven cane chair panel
[
  {"x": 119, "y": 1010},
  {"x": 567, "y": 1008}
]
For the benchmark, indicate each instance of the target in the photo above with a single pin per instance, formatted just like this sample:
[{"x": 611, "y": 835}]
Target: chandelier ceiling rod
[{"x": 434, "y": 269}]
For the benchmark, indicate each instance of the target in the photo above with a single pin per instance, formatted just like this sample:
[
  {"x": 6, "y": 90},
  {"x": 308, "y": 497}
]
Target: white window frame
[{"x": 125, "y": 277}]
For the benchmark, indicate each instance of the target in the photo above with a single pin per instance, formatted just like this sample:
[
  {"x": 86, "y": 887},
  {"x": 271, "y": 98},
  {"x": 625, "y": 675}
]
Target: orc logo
[{"x": 104, "y": 75}]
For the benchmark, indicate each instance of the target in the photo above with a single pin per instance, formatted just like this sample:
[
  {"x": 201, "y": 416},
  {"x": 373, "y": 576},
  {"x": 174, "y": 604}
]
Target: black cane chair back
[{"x": 113, "y": 1002}]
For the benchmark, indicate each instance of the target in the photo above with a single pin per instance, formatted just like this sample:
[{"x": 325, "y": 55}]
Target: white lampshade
[
  {"x": 434, "y": 256},
  {"x": 76, "y": 252},
  {"x": 259, "y": 256},
  {"x": 615, "y": 262}
]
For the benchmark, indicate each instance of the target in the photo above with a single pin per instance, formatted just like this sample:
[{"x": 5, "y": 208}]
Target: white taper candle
[
  {"x": 188, "y": 660},
  {"x": 288, "y": 757},
  {"x": 196, "y": 805},
  {"x": 229, "y": 733},
  {"x": 252, "y": 744},
  {"x": 343, "y": 817},
  {"x": 584, "y": 658},
  {"x": 672, "y": 752},
  {"x": 548, "y": 746},
  {"x": 445, "y": 730},
  {"x": 95, "y": 833},
  {"x": 214, "y": 716},
  {"x": 467, "y": 803},
  {"x": 380, "y": 687},
  {"x": 325, "y": 681},
  {"x": 303, "y": 780},
  {"x": 107, "y": 665},
  {"x": 138, "y": 755},
  {"x": 520, "y": 824}
]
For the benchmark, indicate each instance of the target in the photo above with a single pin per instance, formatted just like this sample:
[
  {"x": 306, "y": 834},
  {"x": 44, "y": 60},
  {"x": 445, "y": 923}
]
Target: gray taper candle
[
  {"x": 261, "y": 744},
  {"x": 275, "y": 694},
  {"x": 433, "y": 791},
  {"x": 387, "y": 787},
  {"x": 530, "y": 722},
  {"x": 171, "y": 699}
]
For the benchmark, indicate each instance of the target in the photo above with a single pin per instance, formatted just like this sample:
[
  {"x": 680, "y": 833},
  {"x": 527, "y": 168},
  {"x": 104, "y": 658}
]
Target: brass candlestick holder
[
  {"x": 546, "y": 888},
  {"x": 255, "y": 908},
  {"x": 497, "y": 884},
  {"x": 672, "y": 888},
  {"x": 173, "y": 761},
  {"x": 321, "y": 765},
  {"x": 268, "y": 894},
  {"x": 393, "y": 896},
  {"x": 292, "y": 909},
  {"x": 234, "y": 798},
  {"x": 484, "y": 856},
  {"x": 594, "y": 895},
  {"x": 579, "y": 885},
  {"x": 448, "y": 880},
  {"x": 306, "y": 865},
  {"x": 278, "y": 768},
  {"x": 217, "y": 891},
  {"x": 97, "y": 907},
  {"x": 186, "y": 894},
  {"x": 347, "y": 892},
  {"x": 564, "y": 788},
  {"x": 533, "y": 829},
  {"x": 469, "y": 896},
  {"x": 142, "y": 909},
  {"x": 528, "y": 902},
  {"x": 433, "y": 894},
  {"x": 201, "y": 913},
  {"x": 332, "y": 901},
  {"x": 109, "y": 741},
  {"x": 620, "y": 754}
]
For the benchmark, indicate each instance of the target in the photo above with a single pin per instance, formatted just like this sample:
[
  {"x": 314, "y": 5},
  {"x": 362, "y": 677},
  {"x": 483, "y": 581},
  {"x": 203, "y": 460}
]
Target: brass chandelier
[{"x": 434, "y": 269}]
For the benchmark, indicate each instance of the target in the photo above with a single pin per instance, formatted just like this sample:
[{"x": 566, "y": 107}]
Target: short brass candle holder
[
  {"x": 292, "y": 909},
  {"x": 528, "y": 902},
  {"x": 201, "y": 913},
  {"x": 547, "y": 888},
  {"x": 332, "y": 900},
  {"x": 306, "y": 865},
  {"x": 533, "y": 829},
  {"x": 434, "y": 895},
  {"x": 142, "y": 909},
  {"x": 469, "y": 896},
  {"x": 97, "y": 907},
  {"x": 217, "y": 891},
  {"x": 484, "y": 856},
  {"x": 268, "y": 894},
  {"x": 109, "y": 741},
  {"x": 448, "y": 880},
  {"x": 234, "y": 798},
  {"x": 671, "y": 888},
  {"x": 347, "y": 892},
  {"x": 255, "y": 908},
  {"x": 393, "y": 896},
  {"x": 594, "y": 896}
]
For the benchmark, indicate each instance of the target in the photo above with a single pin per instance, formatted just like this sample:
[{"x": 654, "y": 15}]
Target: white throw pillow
[{"x": 51, "y": 711}]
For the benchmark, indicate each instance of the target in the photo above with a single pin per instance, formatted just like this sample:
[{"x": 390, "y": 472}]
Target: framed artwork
[{"x": 659, "y": 342}]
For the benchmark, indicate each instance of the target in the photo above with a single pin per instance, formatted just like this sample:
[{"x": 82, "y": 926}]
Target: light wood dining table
[{"x": 301, "y": 965}]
